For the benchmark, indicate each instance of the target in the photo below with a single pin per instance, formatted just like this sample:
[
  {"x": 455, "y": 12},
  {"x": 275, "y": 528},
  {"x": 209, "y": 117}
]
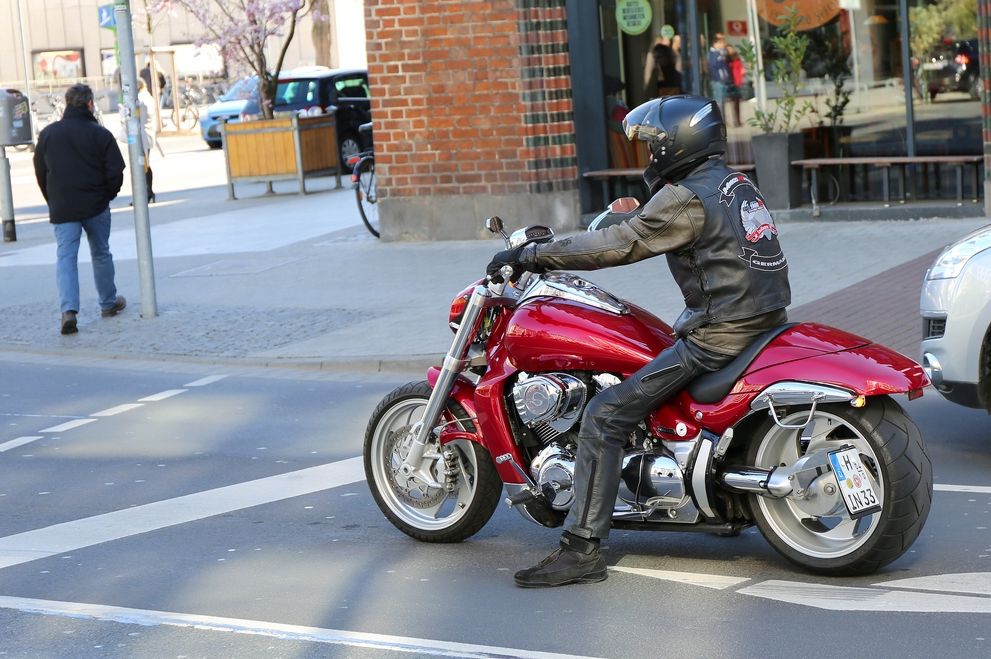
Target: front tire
[
  {"x": 421, "y": 512},
  {"x": 894, "y": 454}
]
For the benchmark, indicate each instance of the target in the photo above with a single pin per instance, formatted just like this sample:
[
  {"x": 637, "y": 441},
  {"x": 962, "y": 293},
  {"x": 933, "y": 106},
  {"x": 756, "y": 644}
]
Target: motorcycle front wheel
[
  {"x": 470, "y": 486},
  {"x": 899, "y": 468}
]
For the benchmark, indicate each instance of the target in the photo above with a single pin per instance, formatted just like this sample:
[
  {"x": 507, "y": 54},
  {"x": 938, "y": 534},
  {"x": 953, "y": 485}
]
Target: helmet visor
[{"x": 643, "y": 122}]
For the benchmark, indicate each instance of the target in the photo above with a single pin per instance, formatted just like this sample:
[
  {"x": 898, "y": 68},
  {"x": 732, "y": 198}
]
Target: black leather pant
[{"x": 609, "y": 419}]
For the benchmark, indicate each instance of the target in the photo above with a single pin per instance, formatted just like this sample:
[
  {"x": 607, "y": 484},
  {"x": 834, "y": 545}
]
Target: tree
[
  {"x": 242, "y": 30},
  {"x": 321, "y": 32}
]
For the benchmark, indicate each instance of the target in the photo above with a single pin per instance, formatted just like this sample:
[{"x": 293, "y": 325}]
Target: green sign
[
  {"x": 633, "y": 16},
  {"x": 667, "y": 31}
]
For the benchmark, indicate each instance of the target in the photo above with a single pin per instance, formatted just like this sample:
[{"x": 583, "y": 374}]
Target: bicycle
[{"x": 363, "y": 179}]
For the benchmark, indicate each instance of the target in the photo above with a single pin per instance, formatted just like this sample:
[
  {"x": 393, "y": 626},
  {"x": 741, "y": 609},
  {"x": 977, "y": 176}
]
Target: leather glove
[{"x": 520, "y": 259}]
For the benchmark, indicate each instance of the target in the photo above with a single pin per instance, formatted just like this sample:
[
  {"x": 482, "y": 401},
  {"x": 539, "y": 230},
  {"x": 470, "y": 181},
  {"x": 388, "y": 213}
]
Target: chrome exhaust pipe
[{"x": 754, "y": 480}]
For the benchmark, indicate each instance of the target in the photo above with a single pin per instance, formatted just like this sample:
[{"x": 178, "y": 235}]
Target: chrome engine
[{"x": 550, "y": 403}]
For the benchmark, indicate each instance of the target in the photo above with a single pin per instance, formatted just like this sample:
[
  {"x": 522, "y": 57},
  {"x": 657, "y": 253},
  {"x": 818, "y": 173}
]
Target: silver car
[{"x": 956, "y": 314}]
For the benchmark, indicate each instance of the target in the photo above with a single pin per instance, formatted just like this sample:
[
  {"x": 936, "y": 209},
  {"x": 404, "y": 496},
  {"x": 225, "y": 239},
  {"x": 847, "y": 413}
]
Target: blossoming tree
[{"x": 242, "y": 29}]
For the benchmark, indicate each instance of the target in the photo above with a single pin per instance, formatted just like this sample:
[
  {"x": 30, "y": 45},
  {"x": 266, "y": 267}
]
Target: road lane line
[
  {"x": 848, "y": 598},
  {"x": 977, "y": 583},
  {"x": 977, "y": 489},
  {"x": 127, "y": 407},
  {"x": 18, "y": 441},
  {"x": 210, "y": 379},
  {"x": 715, "y": 581},
  {"x": 161, "y": 395},
  {"x": 70, "y": 536},
  {"x": 68, "y": 425},
  {"x": 283, "y": 631}
]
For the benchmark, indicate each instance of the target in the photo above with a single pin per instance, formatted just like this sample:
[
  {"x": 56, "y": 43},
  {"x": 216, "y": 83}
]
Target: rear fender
[{"x": 869, "y": 370}]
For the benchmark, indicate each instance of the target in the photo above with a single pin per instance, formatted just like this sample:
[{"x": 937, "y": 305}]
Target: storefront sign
[
  {"x": 633, "y": 16},
  {"x": 736, "y": 28},
  {"x": 812, "y": 13},
  {"x": 667, "y": 31}
]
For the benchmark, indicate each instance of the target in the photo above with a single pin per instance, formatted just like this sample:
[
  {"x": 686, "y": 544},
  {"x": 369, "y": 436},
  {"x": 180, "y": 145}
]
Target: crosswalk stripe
[{"x": 70, "y": 536}]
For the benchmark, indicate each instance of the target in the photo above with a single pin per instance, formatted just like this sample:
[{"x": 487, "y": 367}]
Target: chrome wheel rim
[
  {"x": 825, "y": 537},
  {"x": 425, "y": 508}
]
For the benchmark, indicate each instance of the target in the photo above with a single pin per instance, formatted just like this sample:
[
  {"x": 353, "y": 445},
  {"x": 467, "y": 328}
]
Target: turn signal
[
  {"x": 457, "y": 309},
  {"x": 859, "y": 401}
]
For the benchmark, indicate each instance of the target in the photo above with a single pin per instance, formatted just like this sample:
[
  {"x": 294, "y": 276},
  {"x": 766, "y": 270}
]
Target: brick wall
[{"x": 471, "y": 101}]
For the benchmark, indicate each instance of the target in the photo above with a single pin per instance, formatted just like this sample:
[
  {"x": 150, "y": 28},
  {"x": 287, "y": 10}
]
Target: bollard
[{"x": 6, "y": 199}]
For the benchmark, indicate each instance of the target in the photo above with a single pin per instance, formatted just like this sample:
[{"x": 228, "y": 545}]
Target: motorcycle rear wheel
[
  {"x": 421, "y": 512},
  {"x": 895, "y": 455}
]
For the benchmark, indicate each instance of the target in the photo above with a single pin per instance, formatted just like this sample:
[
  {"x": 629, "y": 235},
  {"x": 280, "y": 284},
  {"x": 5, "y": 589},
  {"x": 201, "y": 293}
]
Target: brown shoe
[
  {"x": 69, "y": 322},
  {"x": 117, "y": 308}
]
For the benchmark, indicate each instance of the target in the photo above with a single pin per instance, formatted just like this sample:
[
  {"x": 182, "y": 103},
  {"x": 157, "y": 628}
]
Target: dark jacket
[
  {"x": 78, "y": 166},
  {"x": 721, "y": 246}
]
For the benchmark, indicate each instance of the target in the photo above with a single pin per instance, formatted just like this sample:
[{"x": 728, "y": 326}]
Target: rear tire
[
  {"x": 894, "y": 453},
  {"x": 366, "y": 192},
  {"x": 428, "y": 514}
]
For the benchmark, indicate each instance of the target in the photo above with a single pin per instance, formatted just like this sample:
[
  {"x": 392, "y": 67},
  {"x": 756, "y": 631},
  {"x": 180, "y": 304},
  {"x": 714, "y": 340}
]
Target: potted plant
[
  {"x": 825, "y": 138},
  {"x": 779, "y": 142}
]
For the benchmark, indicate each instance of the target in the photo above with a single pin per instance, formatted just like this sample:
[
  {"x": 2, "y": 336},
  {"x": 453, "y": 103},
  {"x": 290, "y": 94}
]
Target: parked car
[
  {"x": 341, "y": 92},
  {"x": 953, "y": 67},
  {"x": 956, "y": 315}
]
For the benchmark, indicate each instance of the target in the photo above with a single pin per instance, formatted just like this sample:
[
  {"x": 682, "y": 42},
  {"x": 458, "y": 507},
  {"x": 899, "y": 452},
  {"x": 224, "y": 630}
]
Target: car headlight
[{"x": 950, "y": 263}]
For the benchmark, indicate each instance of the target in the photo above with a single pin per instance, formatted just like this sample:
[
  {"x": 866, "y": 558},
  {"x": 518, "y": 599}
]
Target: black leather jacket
[{"x": 721, "y": 246}]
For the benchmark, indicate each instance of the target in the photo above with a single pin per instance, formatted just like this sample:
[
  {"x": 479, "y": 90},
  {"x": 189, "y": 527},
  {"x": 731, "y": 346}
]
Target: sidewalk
[{"x": 294, "y": 280}]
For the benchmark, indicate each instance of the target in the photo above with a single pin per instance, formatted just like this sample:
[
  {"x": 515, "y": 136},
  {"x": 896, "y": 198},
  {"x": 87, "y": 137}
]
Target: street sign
[{"x": 107, "y": 18}]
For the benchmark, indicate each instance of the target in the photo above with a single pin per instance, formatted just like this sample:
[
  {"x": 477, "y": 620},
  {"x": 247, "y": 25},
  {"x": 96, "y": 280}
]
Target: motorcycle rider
[{"x": 722, "y": 249}]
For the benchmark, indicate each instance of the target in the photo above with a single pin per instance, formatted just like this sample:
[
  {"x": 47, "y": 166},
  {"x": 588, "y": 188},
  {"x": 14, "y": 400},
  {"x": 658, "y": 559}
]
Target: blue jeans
[{"x": 67, "y": 235}]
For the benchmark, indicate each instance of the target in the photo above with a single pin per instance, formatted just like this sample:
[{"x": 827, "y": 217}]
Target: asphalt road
[{"x": 169, "y": 509}]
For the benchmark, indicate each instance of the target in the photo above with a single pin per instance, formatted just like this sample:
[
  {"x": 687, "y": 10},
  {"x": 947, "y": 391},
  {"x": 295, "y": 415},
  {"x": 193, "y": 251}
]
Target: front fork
[{"x": 455, "y": 362}]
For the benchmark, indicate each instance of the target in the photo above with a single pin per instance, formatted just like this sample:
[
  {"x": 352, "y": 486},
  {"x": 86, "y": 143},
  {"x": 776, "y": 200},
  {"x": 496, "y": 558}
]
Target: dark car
[
  {"x": 341, "y": 92},
  {"x": 953, "y": 67}
]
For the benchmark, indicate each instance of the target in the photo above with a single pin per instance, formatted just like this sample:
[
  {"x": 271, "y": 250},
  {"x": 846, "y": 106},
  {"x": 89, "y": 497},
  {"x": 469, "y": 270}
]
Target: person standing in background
[
  {"x": 79, "y": 169},
  {"x": 719, "y": 78},
  {"x": 148, "y": 118},
  {"x": 737, "y": 76}
]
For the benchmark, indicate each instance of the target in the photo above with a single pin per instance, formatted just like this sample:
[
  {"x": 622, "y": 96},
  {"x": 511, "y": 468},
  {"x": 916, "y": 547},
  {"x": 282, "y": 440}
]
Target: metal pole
[
  {"x": 907, "y": 85},
  {"x": 984, "y": 36},
  {"x": 693, "y": 48},
  {"x": 135, "y": 152},
  {"x": 6, "y": 199},
  {"x": 24, "y": 51}
]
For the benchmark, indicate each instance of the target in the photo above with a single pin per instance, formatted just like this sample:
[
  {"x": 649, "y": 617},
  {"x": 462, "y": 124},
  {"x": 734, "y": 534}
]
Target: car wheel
[
  {"x": 349, "y": 146},
  {"x": 214, "y": 144}
]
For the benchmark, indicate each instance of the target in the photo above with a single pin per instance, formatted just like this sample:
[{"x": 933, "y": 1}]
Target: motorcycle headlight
[{"x": 950, "y": 263}]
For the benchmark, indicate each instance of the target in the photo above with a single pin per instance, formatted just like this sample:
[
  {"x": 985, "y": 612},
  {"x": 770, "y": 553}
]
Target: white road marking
[
  {"x": 68, "y": 425},
  {"x": 271, "y": 629},
  {"x": 18, "y": 441},
  {"x": 70, "y": 536},
  {"x": 716, "y": 581},
  {"x": 210, "y": 379},
  {"x": 979, "y": 489},
  {"x": 846, "y": 598},
  {"x": 127, "y": 407},
  {"x": 161, "y": 395},
  {"x": 978, "y": 583}
]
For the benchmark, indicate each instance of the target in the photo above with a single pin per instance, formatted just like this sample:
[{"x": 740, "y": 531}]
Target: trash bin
[{"x": 15, "y": 118}]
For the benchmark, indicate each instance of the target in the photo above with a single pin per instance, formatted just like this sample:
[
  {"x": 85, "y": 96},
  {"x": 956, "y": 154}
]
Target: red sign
[{"x": 736, "y": 28}]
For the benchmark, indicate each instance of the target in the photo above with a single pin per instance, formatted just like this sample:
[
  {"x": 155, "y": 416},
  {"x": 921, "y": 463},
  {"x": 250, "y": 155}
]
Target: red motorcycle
[{"x": 798, "y": 435}]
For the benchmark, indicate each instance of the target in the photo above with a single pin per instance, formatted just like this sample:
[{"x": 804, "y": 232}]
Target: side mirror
[
  {"x": 624, "y": 205},
  {"x": 494, "y": 224}
]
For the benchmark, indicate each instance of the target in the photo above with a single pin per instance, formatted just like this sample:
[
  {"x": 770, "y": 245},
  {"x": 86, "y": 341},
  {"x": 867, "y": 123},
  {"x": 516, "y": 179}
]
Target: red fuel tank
[{"x": 548, "y": 334}]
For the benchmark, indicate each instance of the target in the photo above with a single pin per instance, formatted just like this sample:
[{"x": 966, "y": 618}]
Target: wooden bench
[
  {"x": 607, "y": 176},
  {"x": 812, "y": 165}
]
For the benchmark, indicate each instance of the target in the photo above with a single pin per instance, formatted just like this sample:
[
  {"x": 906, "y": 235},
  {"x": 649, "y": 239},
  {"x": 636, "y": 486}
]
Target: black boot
[{"x": 577, "y": 560}]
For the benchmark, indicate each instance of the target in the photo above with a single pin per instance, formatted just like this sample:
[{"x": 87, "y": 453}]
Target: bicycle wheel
[
  {"x": 367, "y": 196},
  {"x": 190, "y": 116}
]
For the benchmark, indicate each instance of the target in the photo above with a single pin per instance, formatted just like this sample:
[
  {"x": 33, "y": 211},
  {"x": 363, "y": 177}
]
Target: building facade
[{"x": 498, "y": 106}]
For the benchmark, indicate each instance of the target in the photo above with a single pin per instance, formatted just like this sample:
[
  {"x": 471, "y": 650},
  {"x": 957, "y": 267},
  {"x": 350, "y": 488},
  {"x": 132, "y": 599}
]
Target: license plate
[
  {"x": 854, "y": 482},
  {"x": 931, "y": 66}
]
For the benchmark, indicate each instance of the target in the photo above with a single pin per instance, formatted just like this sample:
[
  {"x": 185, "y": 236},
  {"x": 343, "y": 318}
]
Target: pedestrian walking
[{"x": 80, "y": 169}]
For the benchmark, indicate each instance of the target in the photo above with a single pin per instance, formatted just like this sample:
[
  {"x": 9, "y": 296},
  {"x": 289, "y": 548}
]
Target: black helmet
[{"x": 681, "y": 132}]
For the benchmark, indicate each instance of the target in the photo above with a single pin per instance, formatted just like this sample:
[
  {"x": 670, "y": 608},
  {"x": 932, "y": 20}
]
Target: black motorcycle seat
[{"x": 713, "y": 387}]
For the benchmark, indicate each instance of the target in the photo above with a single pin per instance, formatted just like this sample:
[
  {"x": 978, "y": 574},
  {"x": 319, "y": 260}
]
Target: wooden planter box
[{"x": 285, "y": 149}]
